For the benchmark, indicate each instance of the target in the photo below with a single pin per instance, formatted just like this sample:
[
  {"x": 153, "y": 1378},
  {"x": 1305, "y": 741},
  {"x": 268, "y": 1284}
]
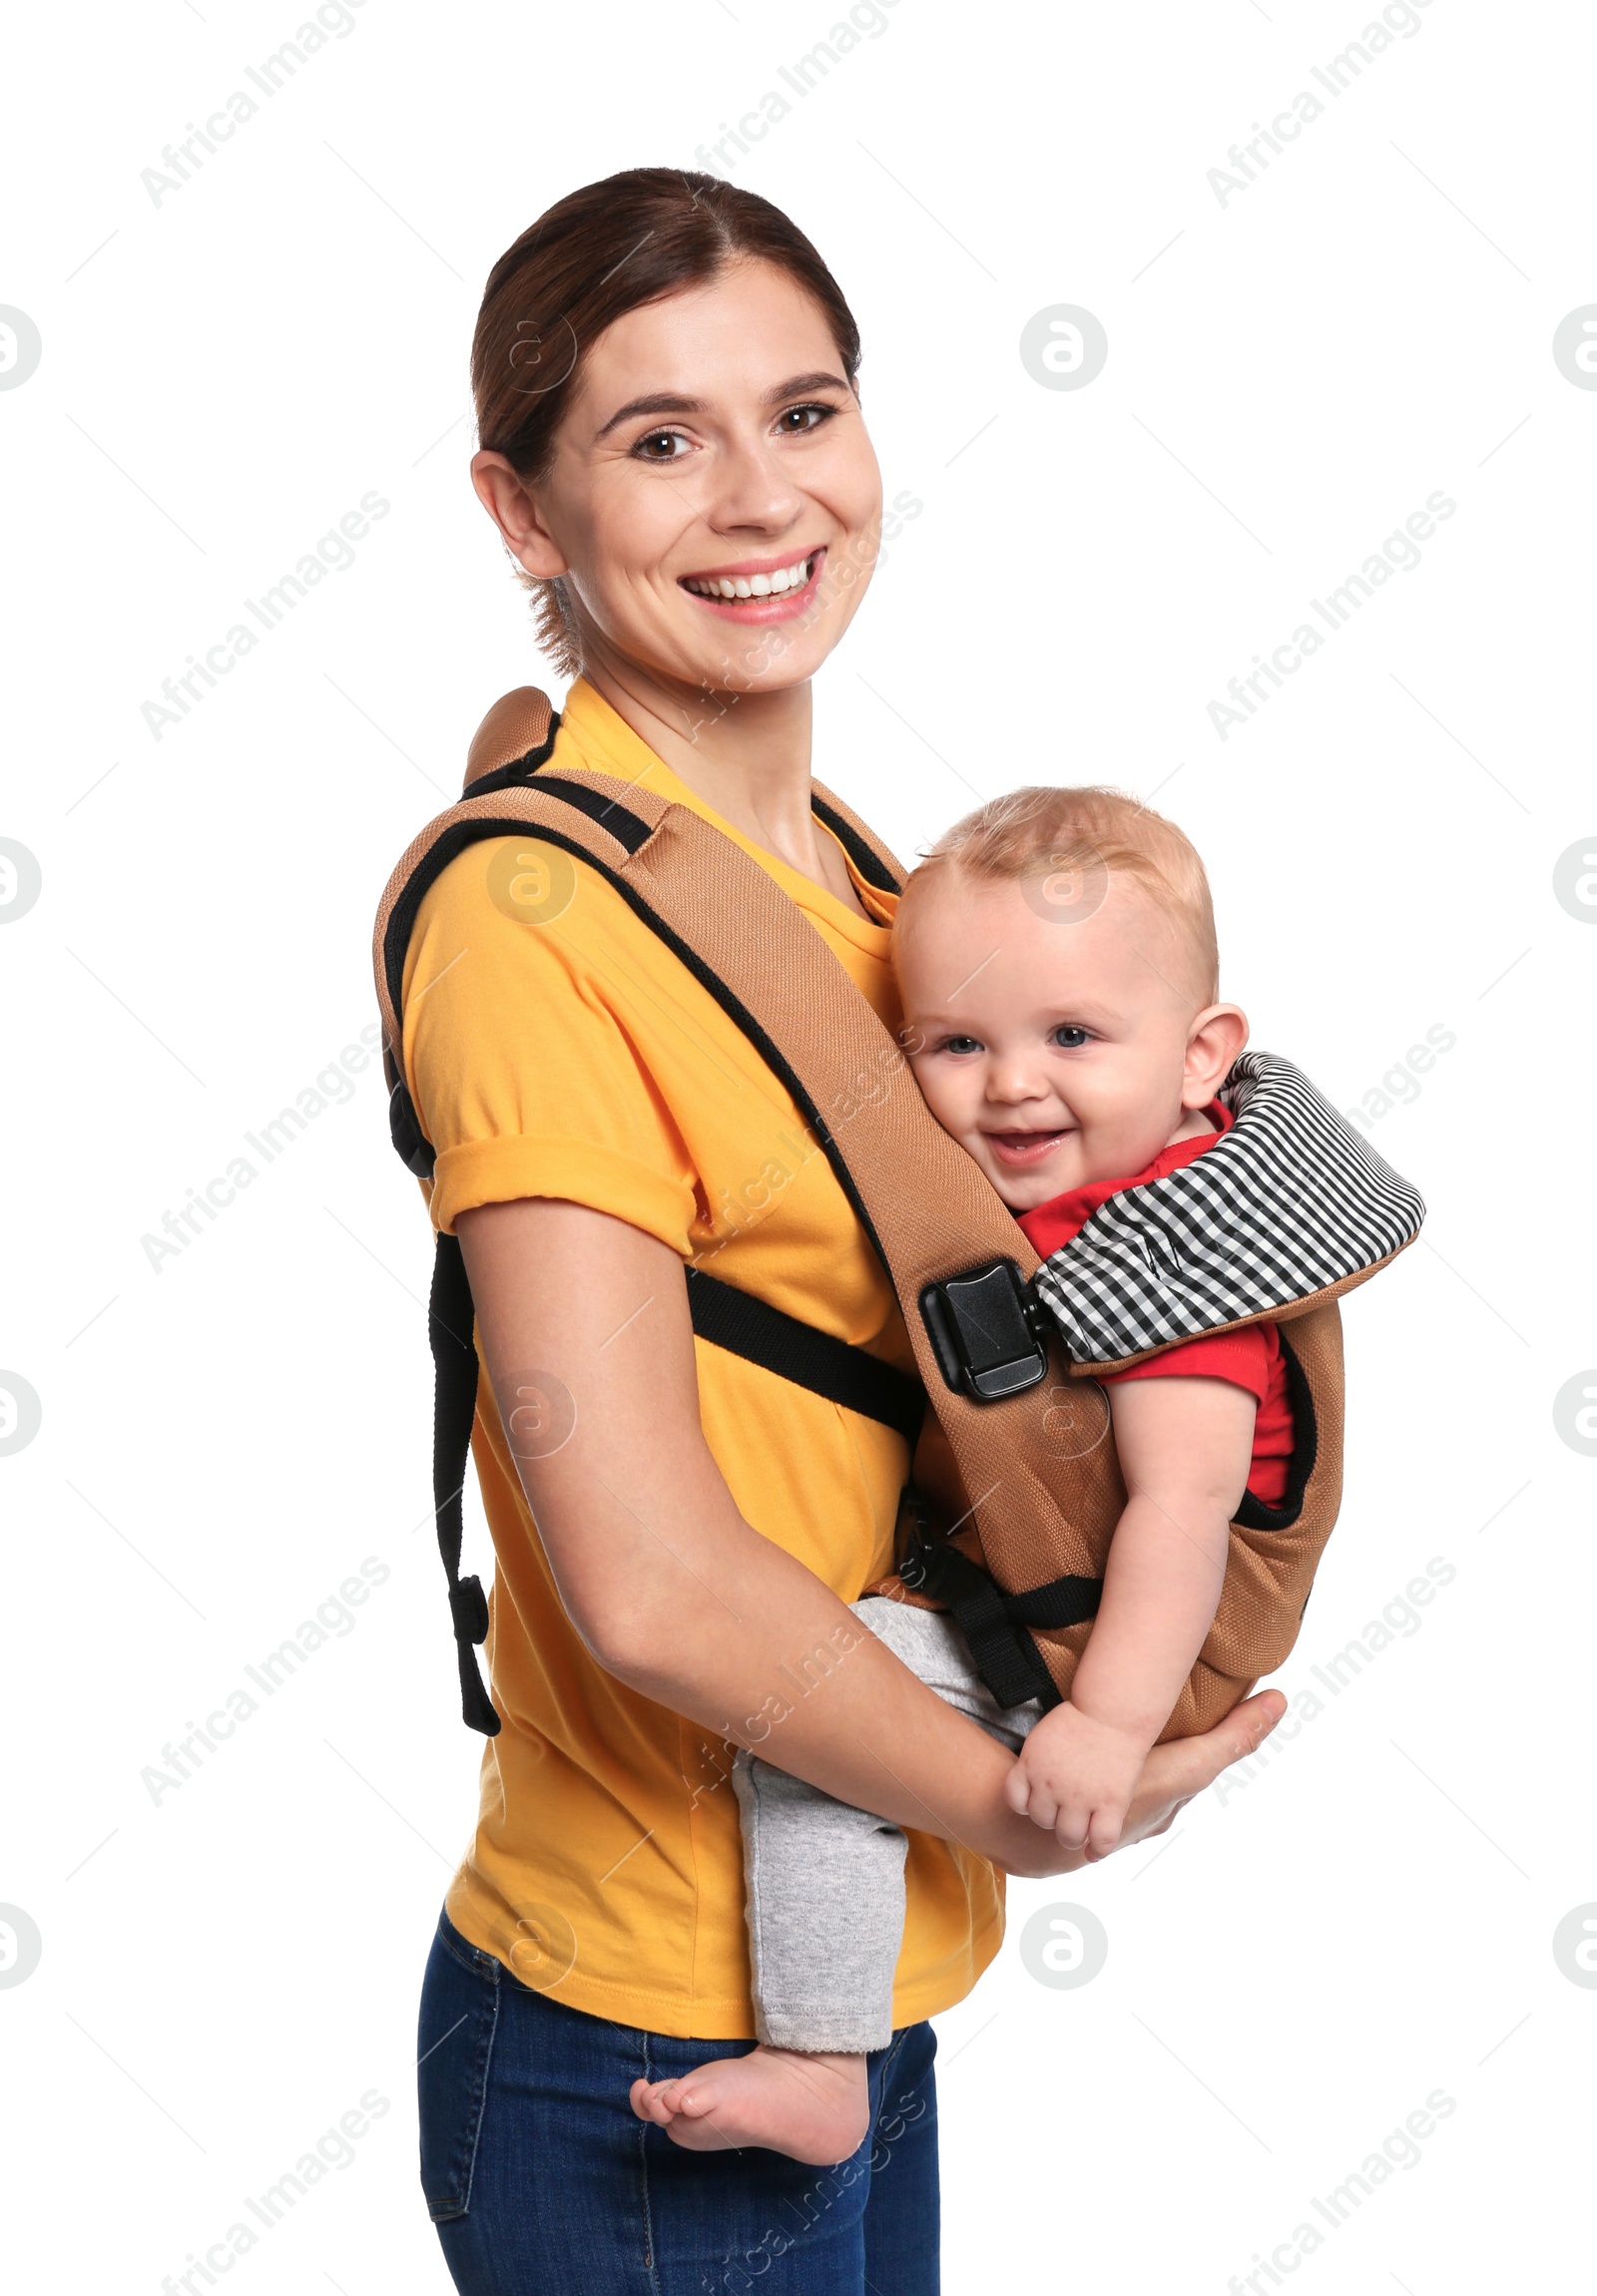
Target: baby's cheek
[{"x": 938, "y": 1090}]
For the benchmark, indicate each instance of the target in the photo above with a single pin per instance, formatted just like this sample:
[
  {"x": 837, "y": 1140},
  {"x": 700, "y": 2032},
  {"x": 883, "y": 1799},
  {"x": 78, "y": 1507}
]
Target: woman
[{"x": 673, "y": 452}]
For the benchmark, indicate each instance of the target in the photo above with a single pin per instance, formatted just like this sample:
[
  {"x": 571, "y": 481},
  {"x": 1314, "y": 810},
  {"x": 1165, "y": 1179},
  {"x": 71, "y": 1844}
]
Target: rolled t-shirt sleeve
[{"x": 519, "y": 1059}]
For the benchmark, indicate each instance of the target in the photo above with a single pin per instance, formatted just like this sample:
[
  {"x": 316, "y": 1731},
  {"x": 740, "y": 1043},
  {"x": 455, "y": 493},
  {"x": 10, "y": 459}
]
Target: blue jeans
[{"x": 543, "y": 2183}]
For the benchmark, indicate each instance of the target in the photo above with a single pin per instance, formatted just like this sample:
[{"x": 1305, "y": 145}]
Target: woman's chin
[
  {"x": 754, "y": 661},
  {"x": 687, "y": 643}
]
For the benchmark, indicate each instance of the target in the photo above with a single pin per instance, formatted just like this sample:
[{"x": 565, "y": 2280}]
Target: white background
[{"x": 224, "y": 373}]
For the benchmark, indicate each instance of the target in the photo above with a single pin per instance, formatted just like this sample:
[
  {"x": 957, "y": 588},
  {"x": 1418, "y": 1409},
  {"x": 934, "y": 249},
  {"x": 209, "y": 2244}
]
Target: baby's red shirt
[{"x": 1249, "y": 1358}]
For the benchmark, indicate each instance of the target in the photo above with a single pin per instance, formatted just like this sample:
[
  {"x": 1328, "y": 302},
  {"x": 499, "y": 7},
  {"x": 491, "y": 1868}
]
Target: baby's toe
[{"x": 667, "y": 2097}]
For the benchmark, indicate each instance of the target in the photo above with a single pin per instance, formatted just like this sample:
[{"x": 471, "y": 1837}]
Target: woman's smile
[{"x": 757, "y": 589}]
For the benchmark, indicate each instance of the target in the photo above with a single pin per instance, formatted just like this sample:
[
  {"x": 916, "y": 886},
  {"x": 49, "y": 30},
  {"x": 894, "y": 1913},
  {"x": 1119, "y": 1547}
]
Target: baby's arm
[{"x": 1185, "y": 1448}]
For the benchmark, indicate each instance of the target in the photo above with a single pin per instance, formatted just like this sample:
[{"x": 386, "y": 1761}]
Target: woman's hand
[{"x": 679, "y": 1597}]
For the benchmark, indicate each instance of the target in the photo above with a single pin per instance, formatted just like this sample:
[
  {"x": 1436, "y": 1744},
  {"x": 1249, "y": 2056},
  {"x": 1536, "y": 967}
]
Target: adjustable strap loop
[
  {"x": 1006, "y": 1657},
  {"x": 454, "y": 1359}
]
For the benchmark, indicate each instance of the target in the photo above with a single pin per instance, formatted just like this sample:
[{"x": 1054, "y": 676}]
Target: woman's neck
[{"x": 746, "y": 755}]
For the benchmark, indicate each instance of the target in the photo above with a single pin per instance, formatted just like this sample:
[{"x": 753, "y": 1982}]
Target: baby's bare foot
[{"x": 814, "y": 2109}]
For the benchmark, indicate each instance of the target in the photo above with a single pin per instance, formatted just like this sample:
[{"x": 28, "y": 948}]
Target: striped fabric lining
[{"x": 1291, "y": 1200}]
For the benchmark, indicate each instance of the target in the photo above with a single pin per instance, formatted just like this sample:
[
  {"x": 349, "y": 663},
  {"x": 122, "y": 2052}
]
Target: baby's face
[{"x": 1054, "y": 1054}]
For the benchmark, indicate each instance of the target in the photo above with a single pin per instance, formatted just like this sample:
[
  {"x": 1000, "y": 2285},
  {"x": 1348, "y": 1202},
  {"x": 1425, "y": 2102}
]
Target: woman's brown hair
[{"x": 597, "y": 253}]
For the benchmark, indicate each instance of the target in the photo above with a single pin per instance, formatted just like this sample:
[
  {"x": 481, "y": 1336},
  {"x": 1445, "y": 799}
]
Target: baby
[{"x": 1056, "y": 959}]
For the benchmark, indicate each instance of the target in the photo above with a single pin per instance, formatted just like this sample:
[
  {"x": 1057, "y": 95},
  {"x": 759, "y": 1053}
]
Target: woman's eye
[
  {"x": 661, "y": 446},
  {"x": 1068, "y": 1037},
  {"x": 793, "y": 421}
]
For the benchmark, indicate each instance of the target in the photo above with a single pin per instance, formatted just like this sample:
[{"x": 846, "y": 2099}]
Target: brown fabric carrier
[{"x": 1030, "y": 1486}]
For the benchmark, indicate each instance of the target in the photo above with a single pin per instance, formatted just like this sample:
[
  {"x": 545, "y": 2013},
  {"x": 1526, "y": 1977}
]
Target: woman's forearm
[{"x": 796, "y": 1677}]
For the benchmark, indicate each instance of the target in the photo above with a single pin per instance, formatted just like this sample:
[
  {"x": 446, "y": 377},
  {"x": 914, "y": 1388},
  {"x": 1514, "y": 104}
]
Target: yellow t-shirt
[{"x": 579, "y": 1058}]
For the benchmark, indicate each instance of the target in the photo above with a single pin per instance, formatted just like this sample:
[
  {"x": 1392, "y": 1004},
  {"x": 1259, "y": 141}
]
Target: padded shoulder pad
[
  {"x": 1289, "y": 1205},
  {"x": 519, "y": 722}
]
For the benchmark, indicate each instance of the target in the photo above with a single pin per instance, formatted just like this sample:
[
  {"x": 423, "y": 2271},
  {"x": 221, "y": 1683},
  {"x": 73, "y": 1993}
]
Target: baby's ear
[{"x": 1215, "y": 1038}]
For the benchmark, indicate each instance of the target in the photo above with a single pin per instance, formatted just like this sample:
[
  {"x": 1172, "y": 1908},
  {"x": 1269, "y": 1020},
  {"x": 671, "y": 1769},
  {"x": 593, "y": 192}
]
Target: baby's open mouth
[
  {"x": 760, "y": 587},
  {"x": 1025, "y": 1148}
]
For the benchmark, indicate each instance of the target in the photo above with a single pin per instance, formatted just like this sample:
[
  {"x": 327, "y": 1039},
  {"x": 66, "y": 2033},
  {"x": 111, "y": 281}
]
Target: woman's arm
[{"x": 678, "y": 1597}]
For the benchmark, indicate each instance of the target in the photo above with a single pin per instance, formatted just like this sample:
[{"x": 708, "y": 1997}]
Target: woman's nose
[{"x": 749, "y": 486}]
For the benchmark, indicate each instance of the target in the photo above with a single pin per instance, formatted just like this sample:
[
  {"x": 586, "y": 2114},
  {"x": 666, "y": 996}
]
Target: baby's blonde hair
[{"x": 1039, "y": 830}]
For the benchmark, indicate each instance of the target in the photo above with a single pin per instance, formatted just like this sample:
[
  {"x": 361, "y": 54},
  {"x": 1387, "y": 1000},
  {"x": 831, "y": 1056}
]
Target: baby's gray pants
[{"x": 826, "y": 1882}]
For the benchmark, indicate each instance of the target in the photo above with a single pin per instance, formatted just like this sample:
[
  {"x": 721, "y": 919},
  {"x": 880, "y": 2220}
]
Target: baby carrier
[{"x": 1015, "y": 1488}]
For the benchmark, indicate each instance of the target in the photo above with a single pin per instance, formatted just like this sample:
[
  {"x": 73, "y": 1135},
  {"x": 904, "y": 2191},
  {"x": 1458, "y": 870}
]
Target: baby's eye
[
  {"x": 962, "y": 1045},
  {"x": 1068, "y": 1037},
  {"x": 661, "y": 446}
]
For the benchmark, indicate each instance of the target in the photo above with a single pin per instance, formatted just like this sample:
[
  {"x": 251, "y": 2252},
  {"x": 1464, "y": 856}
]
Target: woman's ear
[
  {"x": 1217, "y": 1036},
  {"x": 503, "y": 494}
]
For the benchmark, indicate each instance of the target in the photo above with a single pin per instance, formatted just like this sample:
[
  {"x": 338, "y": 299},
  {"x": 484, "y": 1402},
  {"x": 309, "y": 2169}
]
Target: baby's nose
[{"x": 1016, "y": 1079}]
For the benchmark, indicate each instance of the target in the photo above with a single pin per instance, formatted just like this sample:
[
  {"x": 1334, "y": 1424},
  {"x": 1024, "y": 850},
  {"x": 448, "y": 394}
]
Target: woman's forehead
[{"x": 744, "y": 334}]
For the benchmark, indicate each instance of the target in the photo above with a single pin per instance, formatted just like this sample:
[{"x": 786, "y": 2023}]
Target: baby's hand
[{"x": 1075, "y": 1777}]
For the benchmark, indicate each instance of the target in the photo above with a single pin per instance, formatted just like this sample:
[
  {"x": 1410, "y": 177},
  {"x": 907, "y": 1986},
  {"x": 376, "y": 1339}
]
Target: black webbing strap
[
  {"x": 778, "y": 1342},
  {"x": 870, "y": 863},
  {"x": 1007, "y": 1659},
  {"x": 455, "y": 1362}
]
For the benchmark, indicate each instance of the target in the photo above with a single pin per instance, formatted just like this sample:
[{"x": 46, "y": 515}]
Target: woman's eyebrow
[
  {"x": 670, "y": 402},
  {"x": 655, "y": 402},
  {"x": 796, "y": 385}
]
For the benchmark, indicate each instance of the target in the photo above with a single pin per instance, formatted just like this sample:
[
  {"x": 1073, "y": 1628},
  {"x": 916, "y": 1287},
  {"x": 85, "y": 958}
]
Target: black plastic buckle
[
  {"x": 468, "y": 1607},
  {"x": 986, "y": 1331}
]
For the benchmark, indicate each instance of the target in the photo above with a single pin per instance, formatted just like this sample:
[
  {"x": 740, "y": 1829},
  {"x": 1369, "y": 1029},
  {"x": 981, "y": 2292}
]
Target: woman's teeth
[{"x": 752, "y": 585}]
